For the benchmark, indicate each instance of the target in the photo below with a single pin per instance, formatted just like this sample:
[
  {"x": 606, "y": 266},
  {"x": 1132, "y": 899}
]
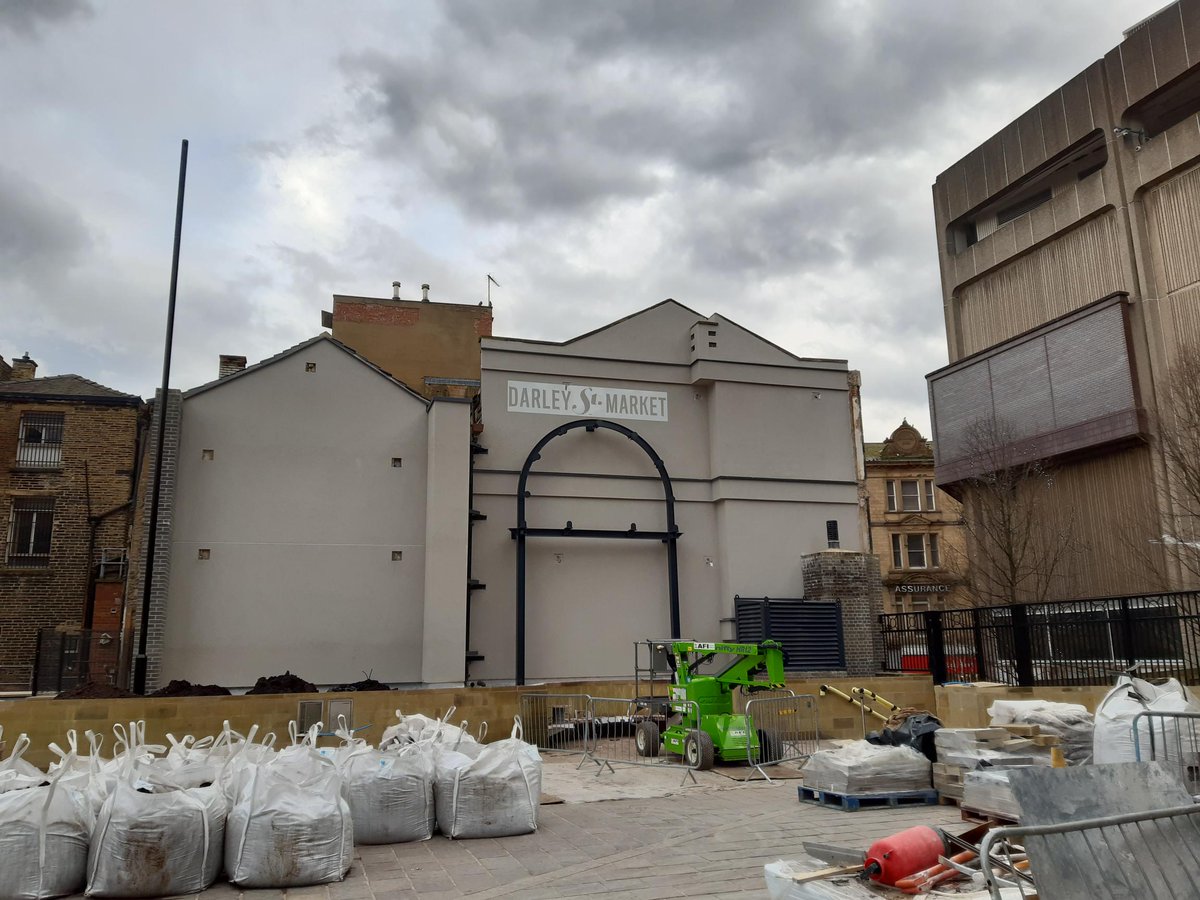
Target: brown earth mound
[
  {"x": 180, "y": 688},
  {"x": 367, "y": 684},
  {"x": 94, "y": 690},
  {"x": 287, "y": 683}
]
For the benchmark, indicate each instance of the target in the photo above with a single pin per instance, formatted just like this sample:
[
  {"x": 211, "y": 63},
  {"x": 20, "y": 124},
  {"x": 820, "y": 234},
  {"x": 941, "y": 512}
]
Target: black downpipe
[{"x": 140, "y": 661}]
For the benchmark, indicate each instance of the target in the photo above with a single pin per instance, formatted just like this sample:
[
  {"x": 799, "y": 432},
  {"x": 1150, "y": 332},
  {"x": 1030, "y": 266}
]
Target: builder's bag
[
  {"x": 494, "y": 794},
  {"x": 390, "y": 793},
  {"x": 155, "y": 838},
  {"x": 44, "y": 833},
  {"x": 289, "y": 826}
]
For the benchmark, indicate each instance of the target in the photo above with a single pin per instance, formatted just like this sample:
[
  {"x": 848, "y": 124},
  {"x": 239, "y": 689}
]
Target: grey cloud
[
  {"x": 27, "y": 18},
  {"x": 40, "y": 234}
]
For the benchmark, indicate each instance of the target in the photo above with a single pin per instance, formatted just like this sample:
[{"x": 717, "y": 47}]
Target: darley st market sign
[{"x": 586, "y": 400}]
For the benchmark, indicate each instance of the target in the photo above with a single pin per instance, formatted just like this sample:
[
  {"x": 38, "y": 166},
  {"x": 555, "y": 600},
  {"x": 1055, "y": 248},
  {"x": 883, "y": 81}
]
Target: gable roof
[
  {"x": 66, "y": 388},
  {"x": 292, "y": 351},
  {"x": 602, "y": 328}
]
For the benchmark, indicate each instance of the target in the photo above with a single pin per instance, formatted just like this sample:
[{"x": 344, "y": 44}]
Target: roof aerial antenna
[{"x": 490, "y": 282}]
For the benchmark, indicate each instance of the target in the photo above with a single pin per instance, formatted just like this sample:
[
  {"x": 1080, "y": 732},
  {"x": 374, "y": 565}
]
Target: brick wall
[
  {"x": 853, "y": 579},
  {"x": 162, "y": 552},
  {"x": 96, "y": 472}
]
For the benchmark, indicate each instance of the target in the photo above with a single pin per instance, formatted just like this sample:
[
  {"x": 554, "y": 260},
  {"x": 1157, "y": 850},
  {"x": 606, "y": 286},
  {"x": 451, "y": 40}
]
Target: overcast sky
[{"x": 768, "y": 161}]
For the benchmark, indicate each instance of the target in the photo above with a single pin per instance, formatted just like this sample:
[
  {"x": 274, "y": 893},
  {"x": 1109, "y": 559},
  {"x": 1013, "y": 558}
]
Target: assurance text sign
[{"x": 586, "y": 400}]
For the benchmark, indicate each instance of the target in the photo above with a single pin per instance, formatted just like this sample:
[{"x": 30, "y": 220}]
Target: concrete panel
[
  {"x": 1010, "y": 138},
  {"x": 1054, "y": 123},
  {"x": 995, "y": 173},
  {"x": 1033, "y": 143},
  {"x": 976, "y": 177},
  {"x": 1077, "y": 107},
  {"x": 1137, "y": 67},
  {"x": 327, "y": 613},
  {"x": 1167, "y": 45},
  {"x": 1189, "y": 14}
]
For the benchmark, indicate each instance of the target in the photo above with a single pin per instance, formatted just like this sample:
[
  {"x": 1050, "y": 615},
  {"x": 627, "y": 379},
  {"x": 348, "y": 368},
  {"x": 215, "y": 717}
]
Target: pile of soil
[
  {"x": 367, "y": 684},
  {"x": 181, "y": 688},
  {"x": 94, "y": 690},
  {"x": 287, "y": 683}
]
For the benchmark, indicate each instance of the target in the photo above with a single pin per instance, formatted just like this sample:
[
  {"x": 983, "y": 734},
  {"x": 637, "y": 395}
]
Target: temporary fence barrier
[
  {"x": 555, "y": 723},
  {"x": 786, "y": 728},
  {"x": 1171, "y": 739},
  {"x": 741, "y": 698},
  {"x": 625, "y": 732},
  {"x": 1159, "y": 856}
]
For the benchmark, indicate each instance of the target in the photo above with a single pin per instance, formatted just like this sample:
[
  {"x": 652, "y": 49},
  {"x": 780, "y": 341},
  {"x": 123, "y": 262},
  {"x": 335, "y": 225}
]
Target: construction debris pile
[{"x": 154, "y": 821}]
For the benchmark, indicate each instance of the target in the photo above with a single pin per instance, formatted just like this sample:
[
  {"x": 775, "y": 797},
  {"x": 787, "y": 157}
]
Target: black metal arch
[{"x": 522, "y": 532}]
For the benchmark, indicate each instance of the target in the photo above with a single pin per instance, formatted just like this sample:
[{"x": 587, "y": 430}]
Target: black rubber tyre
[
  {"x": 769, "y": 746},
  {"x": 698, "y": 751},
  {"x": 646, "y": 739}
]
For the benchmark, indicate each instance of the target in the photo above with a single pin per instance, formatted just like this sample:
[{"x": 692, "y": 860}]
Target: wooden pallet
[
  {"x": 979, "y": 817},
  {"x": 852, "y": 802}
]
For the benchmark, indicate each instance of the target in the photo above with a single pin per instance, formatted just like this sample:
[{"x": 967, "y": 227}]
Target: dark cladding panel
[
  {"x": 958, "y": 402},
  {"x": 1065, "y": 387},
  {"x": 1021, "y": 389},
  {"x": 1089, "y": 368}
]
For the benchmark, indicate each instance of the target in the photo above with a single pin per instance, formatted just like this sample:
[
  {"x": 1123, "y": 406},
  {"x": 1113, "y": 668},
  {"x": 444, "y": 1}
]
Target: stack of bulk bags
[
  {"x": 491, "y": 790},
  {"x": 155, "y": 837},
  {"x": 44, "y": 834},
  {"x": 289, "y": 826}
]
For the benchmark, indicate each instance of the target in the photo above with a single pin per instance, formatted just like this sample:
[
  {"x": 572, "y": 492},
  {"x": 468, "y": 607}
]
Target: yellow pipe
[
  {"x": 830, "y": 689},
  {"x": 875, "y": 698}
]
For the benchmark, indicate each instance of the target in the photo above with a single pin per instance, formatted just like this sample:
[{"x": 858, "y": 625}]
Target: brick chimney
[
  {"x": 23, "y": 369},
  {"x": 5, "y": 370},
  {"x": 228, "y": 365}
]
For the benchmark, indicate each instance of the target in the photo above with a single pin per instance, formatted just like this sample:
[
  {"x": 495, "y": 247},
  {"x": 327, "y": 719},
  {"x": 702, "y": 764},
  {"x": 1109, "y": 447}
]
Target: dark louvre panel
[{"x": 810, "y": 632}]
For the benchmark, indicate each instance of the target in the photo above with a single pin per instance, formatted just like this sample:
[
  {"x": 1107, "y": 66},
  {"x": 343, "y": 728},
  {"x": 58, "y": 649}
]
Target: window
[
  {"x": 831, "y": 534},
  {"x": 891, "y": 496},
  {"x": 1021, "y": 207},
  {"x": 929, "y": 494},
  {"x": 916, "y": 550},
  {"x": 29, "y": 532},
  {"x": 39, "y": 445},
  {"x": 910, "y": 496}
]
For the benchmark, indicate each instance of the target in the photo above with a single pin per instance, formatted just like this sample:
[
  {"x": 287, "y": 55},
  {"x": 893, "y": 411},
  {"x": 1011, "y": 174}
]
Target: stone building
[
  {"x": 66, "y": 500},
  {"x": 432, "y": 347},
  {"x": 1071, "y": 290},
  {"x": 916, "y": 527}
]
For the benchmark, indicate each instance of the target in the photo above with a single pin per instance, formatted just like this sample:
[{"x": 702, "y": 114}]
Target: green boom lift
[{"x": 706, "y": 675}]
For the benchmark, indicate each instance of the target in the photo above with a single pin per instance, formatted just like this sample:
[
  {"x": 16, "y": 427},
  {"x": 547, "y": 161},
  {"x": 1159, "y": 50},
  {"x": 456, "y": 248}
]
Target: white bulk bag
[
  {"x": 289, "y": 826},
  {"x": 390, "y": 794},
  {"x": 44, "y": 833},
  {"x": 1112, "y": 740},
  {"x": 15, "y": 773},
  {"x": 494, "y": 794},
  {"x": 156, "y": 844}
]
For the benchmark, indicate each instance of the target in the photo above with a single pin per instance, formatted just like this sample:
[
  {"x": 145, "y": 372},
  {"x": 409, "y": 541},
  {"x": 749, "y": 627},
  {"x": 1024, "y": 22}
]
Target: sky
[{"x": 768, "y": 161}]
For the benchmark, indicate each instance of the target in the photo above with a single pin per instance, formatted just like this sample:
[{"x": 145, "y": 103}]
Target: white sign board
[{"x": 586, "y": 400}]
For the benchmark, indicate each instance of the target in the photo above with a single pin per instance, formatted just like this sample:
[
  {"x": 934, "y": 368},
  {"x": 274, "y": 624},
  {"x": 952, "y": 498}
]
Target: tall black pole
[{"x": 139, "y": 663}]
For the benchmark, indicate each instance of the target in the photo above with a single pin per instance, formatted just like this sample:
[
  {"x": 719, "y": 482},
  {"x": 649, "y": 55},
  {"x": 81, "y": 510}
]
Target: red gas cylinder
[{"x": 891, "y": 858}]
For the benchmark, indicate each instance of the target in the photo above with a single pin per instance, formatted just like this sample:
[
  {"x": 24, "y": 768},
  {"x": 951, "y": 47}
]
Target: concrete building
[
  {"x": 760, "y": 449},
  {"x": 432, "y": 347},
  {"x": 916, "y": 527},
  {"x": 319, "y": 524},
  {"x": 66, "y": 500},
  {"x": 1071, "y": 287}
]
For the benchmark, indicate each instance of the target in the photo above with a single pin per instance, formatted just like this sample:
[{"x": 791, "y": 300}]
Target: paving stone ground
[{"x": 705, "y": 841}]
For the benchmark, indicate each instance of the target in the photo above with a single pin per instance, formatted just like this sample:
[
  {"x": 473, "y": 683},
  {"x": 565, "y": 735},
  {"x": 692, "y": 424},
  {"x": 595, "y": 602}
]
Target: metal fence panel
[
  {"x": 67, "y": 659},
  {"x": 1073, "y": 642},
  {"x": 555, "y": 723},
  {"x": 612, "y": 733},
  {"x": 787, "y": 728},
  {"x": 1172, "y": 739}
]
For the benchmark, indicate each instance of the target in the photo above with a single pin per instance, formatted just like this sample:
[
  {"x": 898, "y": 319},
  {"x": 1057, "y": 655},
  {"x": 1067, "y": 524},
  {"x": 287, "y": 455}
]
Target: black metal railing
[
  {"x": 39, "y": 444},
  {"x": 67, "y": 659},
  {"x": 1074, "y": 642}
]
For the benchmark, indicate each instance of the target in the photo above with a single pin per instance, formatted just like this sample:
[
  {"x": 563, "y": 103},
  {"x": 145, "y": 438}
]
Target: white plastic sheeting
[
  {"x": 44, "y": 835},
  {"x": 289, "y": 825},
  {"x": 864, "y": 768},
  {"x": 1071, "y": 722},
  {"x": 494, "y": 794}
]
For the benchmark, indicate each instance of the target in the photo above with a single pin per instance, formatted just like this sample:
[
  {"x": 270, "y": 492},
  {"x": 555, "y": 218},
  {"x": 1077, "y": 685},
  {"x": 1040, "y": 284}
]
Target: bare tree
[
  {"x": 1021, "y": 538},
  {"x": 1178, "y": 437}
]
